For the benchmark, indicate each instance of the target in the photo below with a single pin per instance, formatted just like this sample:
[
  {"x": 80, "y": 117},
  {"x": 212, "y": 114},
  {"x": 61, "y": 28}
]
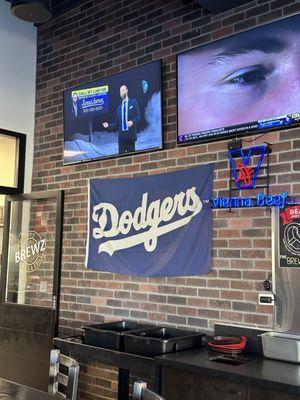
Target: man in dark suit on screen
[
  {"x": 76, "y": 108},
  {"x": 127, "y": 117},
  {"x": 74, "y": 114}
]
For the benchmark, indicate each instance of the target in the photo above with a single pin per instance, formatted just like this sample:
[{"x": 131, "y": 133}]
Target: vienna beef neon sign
[
  {"x": 261, "y": 200},
  {"x": 245, "y": 173}
]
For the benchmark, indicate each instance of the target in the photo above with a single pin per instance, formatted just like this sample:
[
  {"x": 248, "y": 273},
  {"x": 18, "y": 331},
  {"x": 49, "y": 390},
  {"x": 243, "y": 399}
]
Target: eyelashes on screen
[{"x": 248, "y": 76}]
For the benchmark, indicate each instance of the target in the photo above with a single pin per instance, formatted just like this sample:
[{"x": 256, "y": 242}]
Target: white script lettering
[{"x": 110, "y": 224}]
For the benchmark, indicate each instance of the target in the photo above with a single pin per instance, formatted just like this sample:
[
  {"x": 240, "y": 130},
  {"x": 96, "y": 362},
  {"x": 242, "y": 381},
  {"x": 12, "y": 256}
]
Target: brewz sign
[
  {"x": 32, "y": 251},
  {"x": 155, "y": 225}
]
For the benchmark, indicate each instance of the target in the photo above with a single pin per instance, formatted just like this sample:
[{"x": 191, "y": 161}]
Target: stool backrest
[
  {"x": 141, "y": 392},
  {"x": 63, "y": 376}
]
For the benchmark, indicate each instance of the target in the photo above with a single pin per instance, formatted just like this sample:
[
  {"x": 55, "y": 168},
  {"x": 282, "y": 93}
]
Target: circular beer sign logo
[
  {"x": 32, "y": 251},
  {"x": 291, "y": 239}
]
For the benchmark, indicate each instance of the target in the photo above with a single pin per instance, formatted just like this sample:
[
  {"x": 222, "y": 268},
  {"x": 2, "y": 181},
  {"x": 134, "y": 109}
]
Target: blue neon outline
[{"x": 246, "y": 161}]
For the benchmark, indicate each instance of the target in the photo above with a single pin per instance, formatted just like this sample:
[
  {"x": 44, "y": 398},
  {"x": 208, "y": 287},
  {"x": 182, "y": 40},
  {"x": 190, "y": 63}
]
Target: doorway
[
  {"x": 30, "y": 282},
  {"x": 30, "y": 254}
]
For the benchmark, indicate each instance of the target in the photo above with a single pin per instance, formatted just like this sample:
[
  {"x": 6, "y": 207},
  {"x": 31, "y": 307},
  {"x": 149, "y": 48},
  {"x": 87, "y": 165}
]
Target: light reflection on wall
[
  {"x": 2, "y": 200},
  {"x": 8, "y": 159}
]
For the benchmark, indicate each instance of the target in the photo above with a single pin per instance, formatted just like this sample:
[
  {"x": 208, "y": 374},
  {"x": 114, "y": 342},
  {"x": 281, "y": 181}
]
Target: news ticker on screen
[{"x": 269, "y": 123}]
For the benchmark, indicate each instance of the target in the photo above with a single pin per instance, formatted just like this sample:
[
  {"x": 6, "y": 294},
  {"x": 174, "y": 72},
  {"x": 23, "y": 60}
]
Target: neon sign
[
  {"x": 260, "y": 200},
  {"x": 244, "y": 174}
]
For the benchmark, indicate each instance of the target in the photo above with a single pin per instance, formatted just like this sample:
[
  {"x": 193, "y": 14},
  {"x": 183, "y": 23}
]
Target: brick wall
[{"x": 103, "y": 37}]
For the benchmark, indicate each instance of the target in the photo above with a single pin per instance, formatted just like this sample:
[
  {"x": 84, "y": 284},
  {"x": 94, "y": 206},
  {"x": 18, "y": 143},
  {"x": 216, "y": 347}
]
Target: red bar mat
[{"x": 228, "y": 344}]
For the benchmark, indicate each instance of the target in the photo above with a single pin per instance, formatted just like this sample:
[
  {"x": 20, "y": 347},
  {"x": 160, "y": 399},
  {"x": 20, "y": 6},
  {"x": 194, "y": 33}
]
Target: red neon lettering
[{"x": 245, "y": 174}]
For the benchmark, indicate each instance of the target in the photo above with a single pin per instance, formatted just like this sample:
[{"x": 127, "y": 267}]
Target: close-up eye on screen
[{"x": 246, "y": 83}]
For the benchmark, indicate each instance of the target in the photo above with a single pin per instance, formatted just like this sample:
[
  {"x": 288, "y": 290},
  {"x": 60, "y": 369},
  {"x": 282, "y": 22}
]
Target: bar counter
[
  {"x": 191, "y": 372},
  {"x": 185, "y": 374}
]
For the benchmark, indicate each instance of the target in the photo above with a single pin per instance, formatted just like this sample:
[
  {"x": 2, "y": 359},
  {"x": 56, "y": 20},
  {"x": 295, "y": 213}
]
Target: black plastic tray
[
  {"x": 110, "y": 335},
  {"x": 160, "y": 340}
]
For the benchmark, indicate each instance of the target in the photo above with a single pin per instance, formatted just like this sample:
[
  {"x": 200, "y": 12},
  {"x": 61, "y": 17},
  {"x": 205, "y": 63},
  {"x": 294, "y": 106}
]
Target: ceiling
[{"x": 215, "y": 6}]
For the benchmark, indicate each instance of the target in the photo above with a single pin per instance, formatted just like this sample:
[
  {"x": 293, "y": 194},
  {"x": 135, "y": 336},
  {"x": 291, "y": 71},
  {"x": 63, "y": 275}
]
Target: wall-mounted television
[
  {"x": 244, "y": 84},
  {"x": 117, "y": 115}
]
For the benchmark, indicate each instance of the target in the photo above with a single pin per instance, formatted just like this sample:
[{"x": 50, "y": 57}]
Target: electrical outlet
[{"x": 266, "y": 298}]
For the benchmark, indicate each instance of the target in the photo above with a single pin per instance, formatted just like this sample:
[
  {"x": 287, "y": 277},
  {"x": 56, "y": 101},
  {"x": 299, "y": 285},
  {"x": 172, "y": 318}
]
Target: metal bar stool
[
  {"x": 63, "y": 376},
  {"x": 141, "y": 392}
]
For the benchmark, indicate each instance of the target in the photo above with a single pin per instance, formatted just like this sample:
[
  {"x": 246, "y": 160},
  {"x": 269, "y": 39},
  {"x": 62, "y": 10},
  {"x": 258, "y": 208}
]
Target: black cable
[{"x": 258, "y": 137}]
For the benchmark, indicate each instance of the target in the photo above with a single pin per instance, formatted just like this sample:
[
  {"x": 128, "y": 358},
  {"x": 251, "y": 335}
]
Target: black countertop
[{"x": 258, "y": 371}]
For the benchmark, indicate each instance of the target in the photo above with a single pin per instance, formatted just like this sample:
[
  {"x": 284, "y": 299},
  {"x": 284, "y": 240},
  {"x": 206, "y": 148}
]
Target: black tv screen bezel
[
  {"x": 233, "y": 135},
  {"x": 137, "y": 152}
]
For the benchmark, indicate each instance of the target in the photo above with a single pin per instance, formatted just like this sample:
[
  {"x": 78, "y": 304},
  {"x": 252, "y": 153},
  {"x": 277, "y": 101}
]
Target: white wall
[{"x": 17, "y": 79}]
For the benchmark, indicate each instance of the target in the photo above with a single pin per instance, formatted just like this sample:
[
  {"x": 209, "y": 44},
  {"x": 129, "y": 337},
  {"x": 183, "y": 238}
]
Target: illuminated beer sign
[{"x": 245, "y": 172}]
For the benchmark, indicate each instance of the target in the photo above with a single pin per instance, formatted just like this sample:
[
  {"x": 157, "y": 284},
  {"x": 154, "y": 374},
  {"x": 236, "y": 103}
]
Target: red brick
[
  {"x": 241, "y": 240},
  {"x": 240, "y": 223}
]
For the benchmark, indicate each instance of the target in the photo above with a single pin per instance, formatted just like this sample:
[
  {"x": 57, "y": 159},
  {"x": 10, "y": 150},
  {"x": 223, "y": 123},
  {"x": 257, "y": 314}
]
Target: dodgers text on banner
[{"x": 158, "y": 225}]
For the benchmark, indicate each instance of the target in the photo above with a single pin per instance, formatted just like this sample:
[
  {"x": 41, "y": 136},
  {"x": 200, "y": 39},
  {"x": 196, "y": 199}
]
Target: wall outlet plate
[{"x": 266, "y": 298}]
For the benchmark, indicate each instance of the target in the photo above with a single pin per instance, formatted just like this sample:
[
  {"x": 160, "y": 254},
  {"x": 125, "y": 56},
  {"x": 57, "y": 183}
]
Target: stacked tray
[
  {"x": 110, "y": 335},
  {"x": 160, "y": 340},
  {"x": 142, "y": 339},
  {"x": 228, "y": 344}
]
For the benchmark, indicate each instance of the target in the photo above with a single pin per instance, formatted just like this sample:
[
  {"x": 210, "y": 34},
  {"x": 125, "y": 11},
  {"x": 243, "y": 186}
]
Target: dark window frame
[{"x": 8, "y": 190}]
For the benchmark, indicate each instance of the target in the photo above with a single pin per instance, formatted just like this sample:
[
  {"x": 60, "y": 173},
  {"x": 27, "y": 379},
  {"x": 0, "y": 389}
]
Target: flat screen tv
[
  {"x": 117, "y": 115},
  {"x": 243, "y": 84}
]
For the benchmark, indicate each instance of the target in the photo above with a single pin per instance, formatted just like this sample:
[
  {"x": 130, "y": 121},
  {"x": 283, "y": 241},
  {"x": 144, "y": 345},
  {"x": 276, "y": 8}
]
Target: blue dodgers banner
[{"x": 157, "y": 225}]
